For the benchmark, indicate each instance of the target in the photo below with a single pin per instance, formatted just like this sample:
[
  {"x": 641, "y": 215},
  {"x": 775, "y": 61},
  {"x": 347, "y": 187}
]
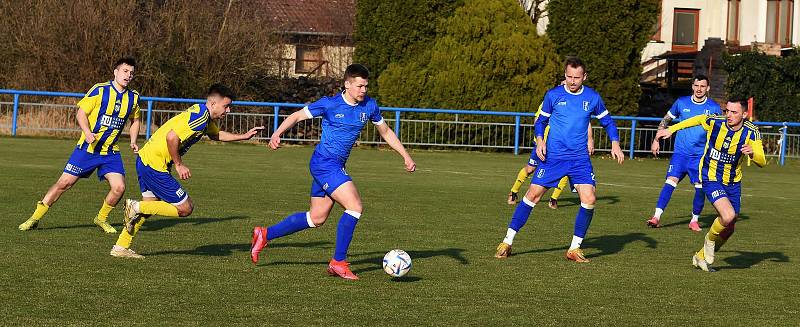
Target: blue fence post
[
  {"x": 784, "y": 139},
  {"x": 633, "y": 136},
  {"x": 276, "y": 111},
  {"x": 397, "y": 123},
  {"x": 14, "y": 115},
  {"x": 516, "y": 134},
  {"x": 149, "y": 120}
]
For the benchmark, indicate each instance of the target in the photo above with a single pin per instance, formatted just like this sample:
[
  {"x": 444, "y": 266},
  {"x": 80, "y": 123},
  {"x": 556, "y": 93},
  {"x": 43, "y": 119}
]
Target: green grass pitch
[{"x": 449, "y": 216}]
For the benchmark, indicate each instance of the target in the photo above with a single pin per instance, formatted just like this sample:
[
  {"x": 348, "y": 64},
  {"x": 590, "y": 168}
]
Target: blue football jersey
[
  {"x": 568, "y": 116},
  {"x": 692, "y": 141},
  {"x": 342, "y": 123}
]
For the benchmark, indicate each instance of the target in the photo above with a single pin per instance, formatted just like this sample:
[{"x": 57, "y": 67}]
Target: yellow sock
[
  {"x": 160, "y": 208},
  {"x": 715, "y": 230},
  {"x": 701, "y": 254},
  {"x": 102, "y": 215},
  {"x": 561, "y": 185},
  {"x": 125, "y": 239},
  {"x": 41, "y": 209},
  {"x": 522, "y": 175}
]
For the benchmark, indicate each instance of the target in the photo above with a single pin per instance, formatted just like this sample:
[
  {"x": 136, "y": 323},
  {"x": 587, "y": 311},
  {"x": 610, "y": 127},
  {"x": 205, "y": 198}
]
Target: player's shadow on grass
[
  {"x": 606, "y": 244},
  {"x": 224, "y": 250},
  {"x": 705, "y": 221},
  {"x": 575, "y": 201},
  {"x": 374, "y": 260},
  {"x": 745, "y": 259},
  {"x": 159, "y": 223}
]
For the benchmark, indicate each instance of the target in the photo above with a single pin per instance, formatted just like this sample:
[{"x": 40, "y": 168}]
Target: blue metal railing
[{"x": 397, "y": 117}]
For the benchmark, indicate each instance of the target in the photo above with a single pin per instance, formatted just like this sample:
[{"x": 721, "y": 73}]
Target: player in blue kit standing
[
  {"x": 567, "y": 110},
  {"x": 689, "y": 148},
  {"x": 343, "y": 117}
]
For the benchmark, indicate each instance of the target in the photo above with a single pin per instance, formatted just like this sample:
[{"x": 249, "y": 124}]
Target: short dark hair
[
  {"x": 356, "y": 70},
  {"x": 741, "y": 101},
  {"x": 221, "y": 90},
  {"x": 701, "y": 77},
  {"x": 125, "y": 60},
  {"x": 574, "y": 62}
]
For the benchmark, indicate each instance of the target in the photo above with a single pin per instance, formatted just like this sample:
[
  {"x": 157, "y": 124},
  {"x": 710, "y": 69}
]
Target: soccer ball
[{"x": 396, "y": 263}]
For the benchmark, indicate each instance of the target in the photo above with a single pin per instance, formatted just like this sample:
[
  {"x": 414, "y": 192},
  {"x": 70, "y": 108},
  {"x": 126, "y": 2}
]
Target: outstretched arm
[
  {"x": 230, "y": 137},
  {"x": 289, "y": 122},
  {"x": 391, "y": 138}
]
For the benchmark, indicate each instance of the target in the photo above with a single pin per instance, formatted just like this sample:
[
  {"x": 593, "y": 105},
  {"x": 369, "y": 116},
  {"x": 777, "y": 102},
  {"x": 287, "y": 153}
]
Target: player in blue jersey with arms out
[
  {"x": 689, "y": 145},
  {"x": 567, "y": 110},
  {"x": 730, "y": 139},
  {"x": 101, "y": 115},
  {"x": 343, "y": 117}
]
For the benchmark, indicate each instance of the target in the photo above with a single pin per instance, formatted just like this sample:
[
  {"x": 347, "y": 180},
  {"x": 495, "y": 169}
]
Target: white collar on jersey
[
  {"x": 576, "y": 93},
  {"x": 348, "y": 102},
  {"x": 701, "y": 102}
]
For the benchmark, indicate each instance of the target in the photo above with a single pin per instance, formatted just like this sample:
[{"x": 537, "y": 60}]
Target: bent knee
[
  {"x": 118, "y": 189},
  {"x": 185, "y": 210},
  {"x": 316, "y": 219}
]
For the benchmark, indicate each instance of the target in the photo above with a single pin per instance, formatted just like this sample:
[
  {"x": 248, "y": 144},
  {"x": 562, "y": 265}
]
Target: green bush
[
  {"x": 609, "y": 36},
  {"x": 486, "y": 56},
  {"x": 773, "y": 82},
  {"x": 389, "y": 30}
]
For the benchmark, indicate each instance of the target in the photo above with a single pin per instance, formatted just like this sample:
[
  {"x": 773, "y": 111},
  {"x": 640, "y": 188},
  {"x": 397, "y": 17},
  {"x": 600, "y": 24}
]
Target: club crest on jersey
[
  {"x": 363, "y": 117},
  {"x": 585, "y": 105}
]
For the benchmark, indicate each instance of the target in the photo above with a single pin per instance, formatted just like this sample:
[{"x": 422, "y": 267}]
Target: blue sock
[
  {"x": 699, "y": 201},
  {"x": 293, "y": 223},
  {"x": 583, "y": 219},
  {"x": 521, "y": 215},
  {"x": 666, "y": 194},
  {"x": 344, "y": 233}
]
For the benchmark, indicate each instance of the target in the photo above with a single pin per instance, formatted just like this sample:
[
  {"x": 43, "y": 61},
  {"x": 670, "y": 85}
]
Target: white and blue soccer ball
[{"x": 396, "y": 263}]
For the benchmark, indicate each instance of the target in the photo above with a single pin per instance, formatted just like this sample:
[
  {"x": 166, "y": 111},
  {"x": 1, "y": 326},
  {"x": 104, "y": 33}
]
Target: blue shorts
[
  {"x": 681, "y": 165},
  {"x": 327, "y": 175},
  {"x": 716, "y": 190},
  {"x": 551, "y": 171},
  {"x": 82, "y": 164},
  {"x": 533, "y": 161},
  {"x": 159, "y": 184}
]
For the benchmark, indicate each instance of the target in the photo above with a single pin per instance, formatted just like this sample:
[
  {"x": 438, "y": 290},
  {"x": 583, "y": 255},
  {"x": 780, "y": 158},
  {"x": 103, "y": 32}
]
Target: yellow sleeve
[
  {"x": 758, "y": 149},
  {"x": 182, "y": 128},
  {"x": 691, "y": 122},
  {"x": 136, "y": 109},
  {"x": 90, "y": 101}
]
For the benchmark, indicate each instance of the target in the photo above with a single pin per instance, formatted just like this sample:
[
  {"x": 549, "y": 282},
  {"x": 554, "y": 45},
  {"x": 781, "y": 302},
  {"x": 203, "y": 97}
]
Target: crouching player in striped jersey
[
  {"x": 161, "y": 194},
  {"x": 730, "y": 138}
]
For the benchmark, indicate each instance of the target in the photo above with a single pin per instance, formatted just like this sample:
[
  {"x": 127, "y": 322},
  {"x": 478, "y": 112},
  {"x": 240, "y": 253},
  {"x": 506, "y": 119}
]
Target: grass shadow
[
  {"x": 222, "y": 250},
  {"x": 606, "y": 244},
  {"x": 708, "y": 219},
  {"x": 374, "y": 260},
  {"x": 745, "y": 259},
  {"x": 167, "y": 222}
]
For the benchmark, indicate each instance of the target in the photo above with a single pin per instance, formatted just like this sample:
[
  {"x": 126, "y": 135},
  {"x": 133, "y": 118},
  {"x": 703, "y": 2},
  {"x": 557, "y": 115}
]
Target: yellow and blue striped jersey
[
  {"x": 189, "y": 126},
  {"x": 722, "y": 156},
  {"x": 107, "y": 109}
]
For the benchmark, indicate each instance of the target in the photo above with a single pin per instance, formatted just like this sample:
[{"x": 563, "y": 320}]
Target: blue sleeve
[
  {"x": 544, "y": 115},
  {"x": 376, "y": 116},
  {"x": 674, "y": 111},
  {"x": 716, "y": 110},
  {"x": 605, "y": 119},
  {"x": 317, "y": 108}
]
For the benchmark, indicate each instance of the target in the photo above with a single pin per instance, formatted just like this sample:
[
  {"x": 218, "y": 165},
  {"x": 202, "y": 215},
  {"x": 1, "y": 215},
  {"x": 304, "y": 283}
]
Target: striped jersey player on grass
[
  {"x": 689, "y": 146},
  {"x": 101, "y": 115},
  {"x": 161, "y": 194},
  {"x": 567, "y": 110},
  {"x": 343, "y": 117},
  {"x": 730, "y": 139}
]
